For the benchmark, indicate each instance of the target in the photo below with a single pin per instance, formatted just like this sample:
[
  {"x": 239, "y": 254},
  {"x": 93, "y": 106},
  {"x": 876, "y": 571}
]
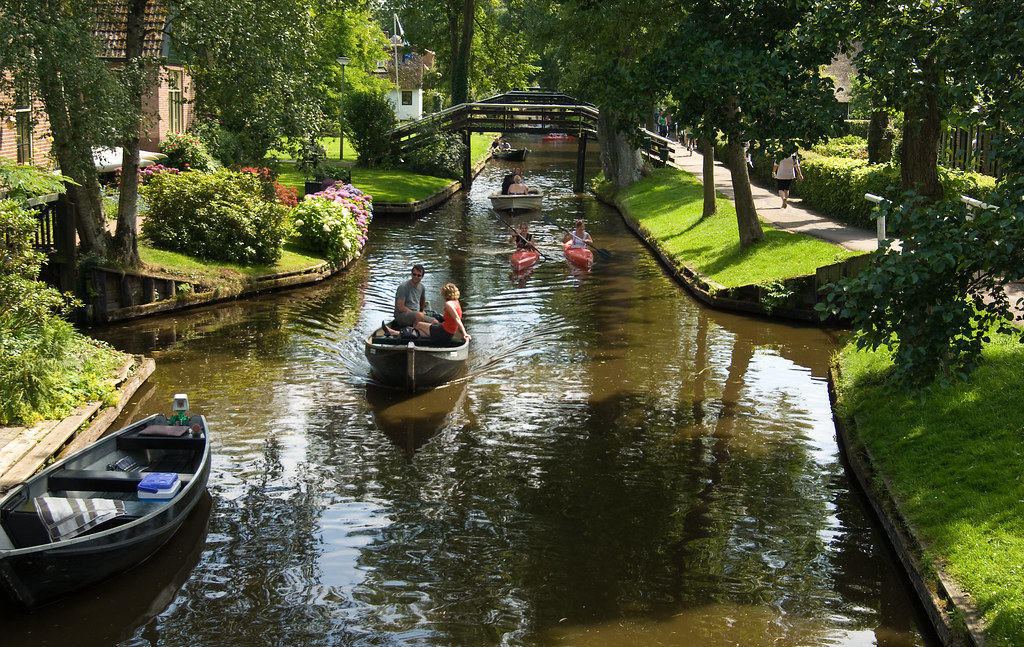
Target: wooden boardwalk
[{"x": 23, "y": 450}]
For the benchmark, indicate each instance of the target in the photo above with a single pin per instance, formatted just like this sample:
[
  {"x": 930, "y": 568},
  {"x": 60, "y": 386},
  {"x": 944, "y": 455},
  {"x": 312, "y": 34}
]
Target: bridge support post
[
  {"x": 581, "y": 159},
  {"x": 467, "y": 161}
]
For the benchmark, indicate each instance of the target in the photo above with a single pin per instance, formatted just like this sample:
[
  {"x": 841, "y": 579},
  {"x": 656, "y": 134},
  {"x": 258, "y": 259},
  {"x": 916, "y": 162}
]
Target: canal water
[{"x": 617, "y": 465}]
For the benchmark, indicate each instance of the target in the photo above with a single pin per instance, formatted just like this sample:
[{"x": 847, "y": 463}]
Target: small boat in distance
[
  {"x": 414, "y": 363},
  {"x": 511, "y": 155},
  {"x": 532, "y": 201},
  {"x": 103, "y": 509},
  {"x": 524, "y": 259},
  {"x": 578, "y": 256},
  {"x": 558, "y": 137}
]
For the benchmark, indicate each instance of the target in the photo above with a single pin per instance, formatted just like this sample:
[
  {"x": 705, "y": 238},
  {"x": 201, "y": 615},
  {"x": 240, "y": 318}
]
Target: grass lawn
[
  {"x": 954, "y": 460},
  {"x": 385, "y": 185},
  {"x": 669, "y": 204},
  {"x": 293, "y": 259}
]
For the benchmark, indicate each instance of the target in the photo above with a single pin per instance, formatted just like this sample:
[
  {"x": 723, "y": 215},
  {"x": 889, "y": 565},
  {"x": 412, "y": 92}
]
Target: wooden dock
[{"x": 24, "y": 450}]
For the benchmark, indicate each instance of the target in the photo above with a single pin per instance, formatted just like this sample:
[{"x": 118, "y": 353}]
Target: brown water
[{"x": 618, "y": 466}]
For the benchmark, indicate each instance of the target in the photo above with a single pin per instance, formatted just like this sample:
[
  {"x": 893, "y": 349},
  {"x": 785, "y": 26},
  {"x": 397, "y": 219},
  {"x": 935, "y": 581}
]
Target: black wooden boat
[
  {"x": 414, "y": 363},
  {"x": 511, "y": 155},
  {"x": 103, "y": 509}
]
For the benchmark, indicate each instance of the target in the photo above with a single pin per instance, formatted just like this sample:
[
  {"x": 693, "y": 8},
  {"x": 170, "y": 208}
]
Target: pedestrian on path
[{"x": 785, "y": 171}]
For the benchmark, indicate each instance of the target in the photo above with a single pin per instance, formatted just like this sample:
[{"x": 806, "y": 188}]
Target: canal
[{"x": 617, "y": 466}]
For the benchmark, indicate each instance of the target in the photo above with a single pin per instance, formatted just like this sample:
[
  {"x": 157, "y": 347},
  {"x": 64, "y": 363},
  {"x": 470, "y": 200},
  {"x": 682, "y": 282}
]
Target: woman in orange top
[{"x": 451, "y": 321}]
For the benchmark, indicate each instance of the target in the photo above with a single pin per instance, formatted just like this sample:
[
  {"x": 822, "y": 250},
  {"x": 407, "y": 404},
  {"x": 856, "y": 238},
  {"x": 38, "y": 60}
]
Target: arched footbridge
[{"x": 534, "y": 112}]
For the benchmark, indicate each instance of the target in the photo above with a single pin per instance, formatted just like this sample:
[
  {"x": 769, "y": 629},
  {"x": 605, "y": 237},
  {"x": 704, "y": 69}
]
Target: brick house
[{"x": 167, "y": 107}]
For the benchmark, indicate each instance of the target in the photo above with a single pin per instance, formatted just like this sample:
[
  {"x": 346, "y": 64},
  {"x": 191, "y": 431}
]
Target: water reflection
[{"x": 618, "y": 465}]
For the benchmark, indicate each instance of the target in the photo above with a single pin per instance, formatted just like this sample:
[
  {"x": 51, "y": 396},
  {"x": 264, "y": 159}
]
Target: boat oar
[
  {"x": 602, "y": 252},
  {"x": 520, "y": 236}
]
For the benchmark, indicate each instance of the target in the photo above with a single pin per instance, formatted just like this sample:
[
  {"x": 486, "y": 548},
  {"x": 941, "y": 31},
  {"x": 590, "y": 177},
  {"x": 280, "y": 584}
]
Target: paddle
[
  {"x": 518, "y": 235},
  {"x": 602, "y": 252}
]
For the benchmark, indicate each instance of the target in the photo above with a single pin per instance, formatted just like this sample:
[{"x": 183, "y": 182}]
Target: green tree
[
  {"x": 752, "y": 71},
  {"x": 50, "y": 55}
]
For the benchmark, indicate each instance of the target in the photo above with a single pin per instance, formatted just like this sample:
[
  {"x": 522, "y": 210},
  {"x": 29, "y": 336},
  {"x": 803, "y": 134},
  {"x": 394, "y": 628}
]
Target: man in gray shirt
[{"x": 410, "y": 300}]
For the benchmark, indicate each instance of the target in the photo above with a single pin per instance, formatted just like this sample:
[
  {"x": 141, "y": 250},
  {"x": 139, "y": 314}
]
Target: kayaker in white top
[{"x": 580, "y": 237}]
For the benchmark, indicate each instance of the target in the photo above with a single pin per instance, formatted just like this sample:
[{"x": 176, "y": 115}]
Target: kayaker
[
  {"x": 523, "y": 239},
  {"x": 580, "y": 237},
  {"x": 410, "y": 301}
]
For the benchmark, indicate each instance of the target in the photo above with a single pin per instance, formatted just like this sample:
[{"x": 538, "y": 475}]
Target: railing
[{"x": 46, "y": 236}]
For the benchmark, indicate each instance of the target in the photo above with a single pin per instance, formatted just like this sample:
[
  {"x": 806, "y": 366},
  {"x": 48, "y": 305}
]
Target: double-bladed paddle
[
  {"x": 602, "y": 252},
  {"x": 520, "y": 236}
]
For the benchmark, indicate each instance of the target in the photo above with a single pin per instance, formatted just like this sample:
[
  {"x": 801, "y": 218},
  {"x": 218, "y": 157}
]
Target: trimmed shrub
[
  {"x": 368, "y": 118},
  {"x": 186, "y": 153},
  {"x": 334, "y": 221},
  {"x": 835, "y": 186},
  {"x": 223, "y": 216},
  {"x": 849, "y": 146}
]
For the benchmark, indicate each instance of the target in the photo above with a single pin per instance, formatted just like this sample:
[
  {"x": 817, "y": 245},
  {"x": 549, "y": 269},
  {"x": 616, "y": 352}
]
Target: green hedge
[{"x": 223, "y": 216}]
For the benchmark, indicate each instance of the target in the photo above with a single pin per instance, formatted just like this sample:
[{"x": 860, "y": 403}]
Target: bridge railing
[{"x": 489, "y": 116}]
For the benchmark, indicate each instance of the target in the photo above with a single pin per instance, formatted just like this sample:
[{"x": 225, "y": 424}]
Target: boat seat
[
  {"x": 100, "y": 480},
  {"x": 135, "y": 441},
  {"x": 24, "y": 527},
  {"x": 398, "y": 341}
]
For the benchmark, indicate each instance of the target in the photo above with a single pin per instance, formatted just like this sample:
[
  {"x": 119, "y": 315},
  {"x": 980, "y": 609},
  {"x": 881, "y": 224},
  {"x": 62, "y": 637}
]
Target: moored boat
[
  {"x": 517, "y": 202},
  {"x": 414, "y": 363},
  {"x": 511, "y": 155},
  {"x": 579, "y": 256},
  {"x": 103, "y": 509},
  {"x": 523, "y": 259},
  {"x": 558, "y": 137}
]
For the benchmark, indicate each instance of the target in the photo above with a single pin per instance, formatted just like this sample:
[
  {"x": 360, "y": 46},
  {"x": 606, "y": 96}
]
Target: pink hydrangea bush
[{"x": 334, "y": 222}]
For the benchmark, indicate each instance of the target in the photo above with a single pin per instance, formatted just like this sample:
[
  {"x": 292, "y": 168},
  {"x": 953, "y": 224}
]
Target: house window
[
  {"x": 175, "y": 102},
  {"x": 406, "y": 97}
]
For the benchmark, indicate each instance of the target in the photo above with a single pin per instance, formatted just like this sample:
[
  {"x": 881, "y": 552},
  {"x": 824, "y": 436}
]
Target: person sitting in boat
[
  {"x": 523, "y": 239},
  {"x": 579, "y": 237},
  {"x": 495, "y": 145},
  {"x": 410, "y": 301},
  {"x": 505, "y": 146},
  {"x": 451, "y": 320},
  {"x": 517, "y": 187},
  {"x": 509, "y": 179}
]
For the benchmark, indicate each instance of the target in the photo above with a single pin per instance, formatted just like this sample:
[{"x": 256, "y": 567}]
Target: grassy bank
[
  {"x": 955, "y": 464},
  {"x": 669, "y": 204}
]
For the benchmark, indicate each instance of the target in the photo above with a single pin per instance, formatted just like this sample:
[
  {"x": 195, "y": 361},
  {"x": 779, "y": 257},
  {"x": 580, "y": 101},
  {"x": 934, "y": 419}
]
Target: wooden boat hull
[
  {"x": 578, "y": 256},
  {"x": 524, "y": 259},
  {"x": 514, "y": 155},
  {"x": 35, "y": 570},
  {"x": 414, "y": 364},
  {"x": 528, "y": 202}
]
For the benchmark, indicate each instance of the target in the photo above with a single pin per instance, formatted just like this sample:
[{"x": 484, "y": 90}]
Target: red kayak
[
  {"x": 523, "y": 259},
  {"x": 579, "y": 256}
]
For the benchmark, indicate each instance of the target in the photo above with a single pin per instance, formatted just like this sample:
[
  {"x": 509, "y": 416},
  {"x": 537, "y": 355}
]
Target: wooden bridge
[{"x": 534, "y": 112}]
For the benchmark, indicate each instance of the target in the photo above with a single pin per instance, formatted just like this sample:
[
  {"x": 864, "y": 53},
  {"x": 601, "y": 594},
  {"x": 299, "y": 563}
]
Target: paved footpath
[{"x": 769, "y": 207}]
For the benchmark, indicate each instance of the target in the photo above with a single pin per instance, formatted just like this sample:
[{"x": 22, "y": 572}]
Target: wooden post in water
[
  {"x": 467, "y": 161},
  {"x": 581, "y": 158}
]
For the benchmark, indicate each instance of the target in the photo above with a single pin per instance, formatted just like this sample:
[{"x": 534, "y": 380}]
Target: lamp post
[
  {"x": 342, "y": 61},
  {"x": 396, "y": 42}
]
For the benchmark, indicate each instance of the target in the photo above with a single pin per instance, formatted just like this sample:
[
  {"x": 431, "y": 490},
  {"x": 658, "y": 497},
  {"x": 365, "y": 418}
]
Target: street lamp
[
  {"x": 396, "y": 42},
  {"x": 342, "y": 61}
]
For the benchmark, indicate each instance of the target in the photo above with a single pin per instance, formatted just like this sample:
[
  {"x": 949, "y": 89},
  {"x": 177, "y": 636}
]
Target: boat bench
[
  {"x": 137, "y": 441},
  {"x": 424, "y": 343},
  {"x": 102, "y": 480},
  {"x": 25, "y": 528}
]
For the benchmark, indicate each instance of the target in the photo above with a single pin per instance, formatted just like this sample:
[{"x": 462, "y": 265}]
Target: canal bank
[{"x": 952, "y": 612}]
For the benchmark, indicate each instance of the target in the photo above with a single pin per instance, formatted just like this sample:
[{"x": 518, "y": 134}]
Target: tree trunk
[
  {"x": 621, "y": 162},
  {"x": 746, "y": 215},
  {"x": 707, "y": 149},
  {"x": 922, "y": 124},
  {"x": 125, "y": 248},
  {"x": 462, "y": 49},
  {"x": 879, "y": 138}
]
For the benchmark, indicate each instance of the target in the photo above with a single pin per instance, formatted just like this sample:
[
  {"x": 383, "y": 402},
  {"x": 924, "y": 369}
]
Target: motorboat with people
[
  {"x": 532, "y": 201},
  {"x": 412, "y": 362}
]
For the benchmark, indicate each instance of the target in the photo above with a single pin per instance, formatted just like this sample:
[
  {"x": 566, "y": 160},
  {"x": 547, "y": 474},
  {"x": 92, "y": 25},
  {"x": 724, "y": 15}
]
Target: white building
[{"x": 408, "y": 96}]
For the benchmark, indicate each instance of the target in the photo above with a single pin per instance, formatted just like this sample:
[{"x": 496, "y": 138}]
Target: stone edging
[{"x": 953, "y": 615}]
